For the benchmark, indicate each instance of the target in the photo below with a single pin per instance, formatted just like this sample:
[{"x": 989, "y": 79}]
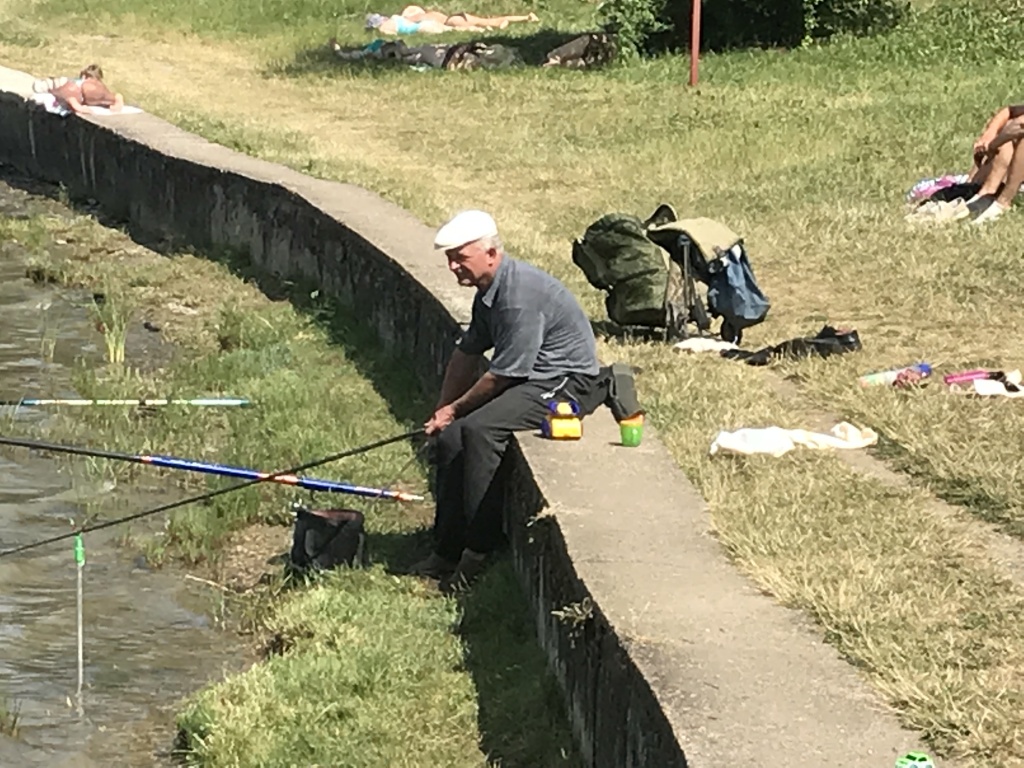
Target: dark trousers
[{"x": 469, "y": 451}]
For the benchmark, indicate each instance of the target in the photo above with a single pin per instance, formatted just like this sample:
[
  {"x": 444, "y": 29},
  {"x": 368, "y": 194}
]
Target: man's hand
[
  {"x": 487, "y": 387},
  {"x": 442, "y": 417},
  {"x": 980, "y": 150}
]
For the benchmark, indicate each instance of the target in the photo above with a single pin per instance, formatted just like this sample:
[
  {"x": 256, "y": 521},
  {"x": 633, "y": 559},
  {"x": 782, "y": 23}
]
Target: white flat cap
[{"x": 465, "y": 227}]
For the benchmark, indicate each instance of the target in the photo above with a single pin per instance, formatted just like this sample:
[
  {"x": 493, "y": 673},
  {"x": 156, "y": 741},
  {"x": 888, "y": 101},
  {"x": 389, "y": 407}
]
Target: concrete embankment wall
[{"x": 376, "y": 258}]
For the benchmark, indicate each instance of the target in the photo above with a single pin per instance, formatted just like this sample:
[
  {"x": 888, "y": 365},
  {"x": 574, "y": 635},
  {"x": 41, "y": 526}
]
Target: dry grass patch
[{"x": 910, "y": 596}]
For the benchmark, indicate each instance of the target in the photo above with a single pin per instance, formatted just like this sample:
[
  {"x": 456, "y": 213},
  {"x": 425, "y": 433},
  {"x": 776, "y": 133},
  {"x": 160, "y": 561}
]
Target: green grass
[
  {"x": 806, "y": 153},
  {"x": 363, "y": 682},
  {"x": 365, "y": 670},
  {"x": 382, "y": 670}
]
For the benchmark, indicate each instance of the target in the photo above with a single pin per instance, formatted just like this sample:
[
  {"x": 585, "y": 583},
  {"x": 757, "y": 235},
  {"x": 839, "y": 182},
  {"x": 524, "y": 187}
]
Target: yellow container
[{"x": 562, "y": 422}]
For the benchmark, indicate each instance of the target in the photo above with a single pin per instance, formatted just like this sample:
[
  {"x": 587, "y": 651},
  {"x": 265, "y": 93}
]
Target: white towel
[
  {"x": 702, "y": 344},
  {"x": 125, "y": 110},
  {"x": 49, "y": 102},
  {"x": 994, "y": 388},
  {"x": 777, "y": 441}
]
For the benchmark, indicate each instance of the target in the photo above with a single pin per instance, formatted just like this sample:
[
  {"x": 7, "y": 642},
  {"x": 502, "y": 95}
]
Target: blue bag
[{"x": 733, "y": 293}]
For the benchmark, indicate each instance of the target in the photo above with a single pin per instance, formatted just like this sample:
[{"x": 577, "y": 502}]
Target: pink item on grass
[
  {"x": 925, "y": 188},
  {"x": 965, "y": 376}
]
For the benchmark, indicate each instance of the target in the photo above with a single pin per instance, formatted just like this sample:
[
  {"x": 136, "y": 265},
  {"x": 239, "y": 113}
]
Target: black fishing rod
[{"x": 213, "y": 494}]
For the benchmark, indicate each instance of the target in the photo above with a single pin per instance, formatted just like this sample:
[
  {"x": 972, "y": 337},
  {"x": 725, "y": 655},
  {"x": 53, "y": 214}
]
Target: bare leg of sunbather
[
  {"x": 992, "y": 173},
  {"x": 464, "y": 20},
  {"x": 1014, "y": 176},
  {"x": 987, "y": 209}
]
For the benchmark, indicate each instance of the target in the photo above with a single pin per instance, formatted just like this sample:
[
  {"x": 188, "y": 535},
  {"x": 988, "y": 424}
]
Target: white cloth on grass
[
  {"x": 776, "y": 441},
  {"x": 996, "y": 388},
  {"x": 702, "y": 344}
]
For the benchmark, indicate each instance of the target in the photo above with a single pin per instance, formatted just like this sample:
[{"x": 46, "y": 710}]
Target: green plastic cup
[{"x": 632, "y": 432}]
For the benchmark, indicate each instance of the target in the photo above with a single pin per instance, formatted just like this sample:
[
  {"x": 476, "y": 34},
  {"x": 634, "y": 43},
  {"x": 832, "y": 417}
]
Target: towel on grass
[
  {"x": 1009, "y": 385},
  {"x": 777, "y": 441},
  {"x": 702, "y": 344}
]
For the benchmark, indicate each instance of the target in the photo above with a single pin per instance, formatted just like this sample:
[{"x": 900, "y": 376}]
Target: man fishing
[{"x": 543, "y": 350}]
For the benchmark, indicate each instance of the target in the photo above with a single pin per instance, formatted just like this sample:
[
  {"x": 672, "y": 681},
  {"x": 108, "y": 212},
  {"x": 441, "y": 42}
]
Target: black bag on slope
[{"x": 325, "y": 539}]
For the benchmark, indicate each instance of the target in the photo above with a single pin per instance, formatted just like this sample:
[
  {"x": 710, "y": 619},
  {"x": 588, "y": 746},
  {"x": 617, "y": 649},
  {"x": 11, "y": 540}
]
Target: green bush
[
  {"x": 660, "y": 24},
  {"x": 634, "y": 22},
  {"x": 975, "y": 33},
  {"x": 826, "y": 18}
]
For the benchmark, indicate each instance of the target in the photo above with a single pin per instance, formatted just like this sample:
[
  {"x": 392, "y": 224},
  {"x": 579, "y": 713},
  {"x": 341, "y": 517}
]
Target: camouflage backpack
[
  {"x": 618, "y": 257},
  {"x": 651, "y": 269}
]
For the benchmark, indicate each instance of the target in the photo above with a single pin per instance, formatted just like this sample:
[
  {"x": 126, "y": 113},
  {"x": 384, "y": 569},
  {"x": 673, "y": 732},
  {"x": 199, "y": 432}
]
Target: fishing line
[
  {"x": 211, "y": 494},
  {"x": 401, "y": 472}
]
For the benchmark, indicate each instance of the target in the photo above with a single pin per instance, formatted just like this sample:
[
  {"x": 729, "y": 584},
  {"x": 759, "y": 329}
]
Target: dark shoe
[
  {"x": 470, "y": 566},
  {"x": 433, "y": 567},
  {"x": 829, "y": 341}
]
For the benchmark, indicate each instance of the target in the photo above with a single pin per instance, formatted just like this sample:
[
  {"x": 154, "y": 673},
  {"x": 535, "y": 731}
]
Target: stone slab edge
[{"x": 658, "y": 643}]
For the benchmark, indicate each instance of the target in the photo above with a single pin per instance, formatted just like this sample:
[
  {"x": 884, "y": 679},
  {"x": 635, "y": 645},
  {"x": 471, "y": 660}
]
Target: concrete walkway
[
  {"x": 13, "y": 81},
  {"x": 742, "y": 681}
]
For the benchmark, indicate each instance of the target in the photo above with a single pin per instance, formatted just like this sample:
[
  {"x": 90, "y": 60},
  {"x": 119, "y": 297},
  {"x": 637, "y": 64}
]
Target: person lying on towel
[
  {"x": 81, "y": 93},
  {"x": 415, "y": 19}
]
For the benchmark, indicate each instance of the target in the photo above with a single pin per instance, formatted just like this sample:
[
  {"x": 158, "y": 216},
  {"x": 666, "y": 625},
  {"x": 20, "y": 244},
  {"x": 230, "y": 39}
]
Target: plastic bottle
[{"x": 889, "y": 377}]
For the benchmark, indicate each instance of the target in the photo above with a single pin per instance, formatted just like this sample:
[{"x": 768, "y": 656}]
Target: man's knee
[
  {"x": 448, "y": 443},
  {"x": 472, "y": 430},
  {"x": 479, "y": 431}
]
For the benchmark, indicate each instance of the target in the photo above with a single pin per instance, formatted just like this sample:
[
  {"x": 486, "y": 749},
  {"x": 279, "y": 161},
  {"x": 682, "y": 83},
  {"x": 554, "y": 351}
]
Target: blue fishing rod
[
  {"x": 225, "y": 470},
  {"x": 259, "y": 478}
]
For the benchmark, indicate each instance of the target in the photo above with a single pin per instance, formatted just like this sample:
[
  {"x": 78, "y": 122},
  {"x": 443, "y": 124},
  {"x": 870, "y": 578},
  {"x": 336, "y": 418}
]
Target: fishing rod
[
  {"x": 212, "y": 494},
  {"x": 225, "y": 470},
  {"x": 240, "y": 402}
]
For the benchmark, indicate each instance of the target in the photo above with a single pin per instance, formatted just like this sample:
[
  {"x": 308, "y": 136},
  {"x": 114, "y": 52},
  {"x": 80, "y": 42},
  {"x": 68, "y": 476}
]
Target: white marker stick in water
[{"x": 80, "y": 562}]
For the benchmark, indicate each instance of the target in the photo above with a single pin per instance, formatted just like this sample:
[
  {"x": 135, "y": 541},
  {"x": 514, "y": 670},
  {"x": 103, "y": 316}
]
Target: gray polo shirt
[{"x": 535, "y": 325}]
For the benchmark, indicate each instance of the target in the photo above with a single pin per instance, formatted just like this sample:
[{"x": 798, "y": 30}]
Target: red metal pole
[{"x": 694, "y": 41}]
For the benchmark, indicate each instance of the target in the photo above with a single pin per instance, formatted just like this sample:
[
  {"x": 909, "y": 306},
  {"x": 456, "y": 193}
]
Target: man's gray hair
[{"x": 493, "y": 241}]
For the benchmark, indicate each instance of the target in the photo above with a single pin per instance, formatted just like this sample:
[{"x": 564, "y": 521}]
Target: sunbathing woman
[
  {"x": 414, "y": 19},
  {"x": 87, "y": 90}
]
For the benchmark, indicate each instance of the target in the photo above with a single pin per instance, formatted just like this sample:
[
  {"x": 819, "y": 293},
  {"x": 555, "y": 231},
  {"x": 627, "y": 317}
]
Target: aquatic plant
[
  {"x": 10, "y": 717},
  {"x": 113, "y": 313}
]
